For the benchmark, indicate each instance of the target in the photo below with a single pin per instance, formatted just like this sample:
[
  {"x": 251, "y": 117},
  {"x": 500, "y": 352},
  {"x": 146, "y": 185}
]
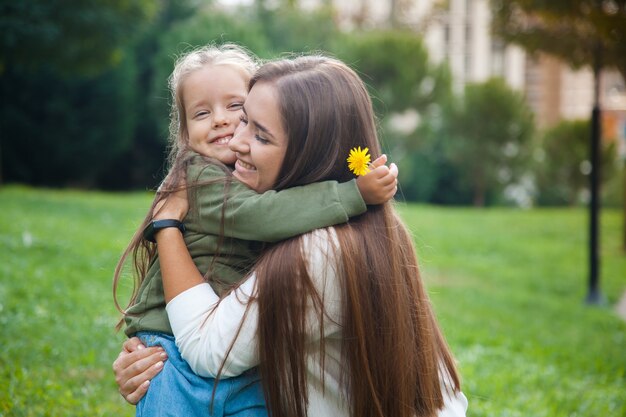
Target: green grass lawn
[{"x": 508, "y": 286}]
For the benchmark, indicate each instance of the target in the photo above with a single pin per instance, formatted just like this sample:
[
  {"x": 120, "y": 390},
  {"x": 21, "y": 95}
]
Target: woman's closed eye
[{"x": 243, "y": 120}]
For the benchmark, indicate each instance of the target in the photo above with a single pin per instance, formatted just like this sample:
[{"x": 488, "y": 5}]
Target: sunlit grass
[{"x": 508, "y": 286}]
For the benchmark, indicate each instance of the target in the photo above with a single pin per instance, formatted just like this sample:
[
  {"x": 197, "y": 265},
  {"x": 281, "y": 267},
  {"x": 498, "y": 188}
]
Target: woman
[{"x": 337, "y": 320}]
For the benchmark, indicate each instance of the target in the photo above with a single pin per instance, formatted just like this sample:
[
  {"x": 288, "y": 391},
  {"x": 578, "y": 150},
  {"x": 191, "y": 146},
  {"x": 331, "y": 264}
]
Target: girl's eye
[
  {"x": 202, "y": 113},
  {"x": 242, "y": 119},
  {"x": 235, "y": 106},
  {"x": 261, "y": 140}
]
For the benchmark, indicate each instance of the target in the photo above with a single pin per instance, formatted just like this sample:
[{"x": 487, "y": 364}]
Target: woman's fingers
[
  {"x": 133, "y": 369},
  {"x": 136, "y": 396},
  {"x": 138, "y": 358},
  {"x": 133, "y": 344},
  {"x": 136, "y": 387}
]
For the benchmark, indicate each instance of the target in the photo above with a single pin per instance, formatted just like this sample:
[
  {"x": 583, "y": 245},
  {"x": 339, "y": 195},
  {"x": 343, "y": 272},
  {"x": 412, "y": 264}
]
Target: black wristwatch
[{"x": 154, "y": 226}]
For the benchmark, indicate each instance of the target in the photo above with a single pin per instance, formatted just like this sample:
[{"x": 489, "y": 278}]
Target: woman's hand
[
  {"x": 380, "y": 184},
  {"x": 135, "y": 366}
]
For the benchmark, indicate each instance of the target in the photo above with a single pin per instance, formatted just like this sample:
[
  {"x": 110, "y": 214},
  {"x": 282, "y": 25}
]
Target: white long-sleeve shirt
[{"x": 204, "y": 336}]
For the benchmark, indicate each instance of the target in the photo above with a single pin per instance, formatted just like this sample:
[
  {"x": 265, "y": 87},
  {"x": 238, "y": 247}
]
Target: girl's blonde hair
[{"x": 144, "y": 252}]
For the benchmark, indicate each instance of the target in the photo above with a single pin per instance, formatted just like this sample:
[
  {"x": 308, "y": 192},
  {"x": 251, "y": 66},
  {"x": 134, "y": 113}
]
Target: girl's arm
[
  {"x": 278, "y": 215},
  {"x": 177, "y": 267}
]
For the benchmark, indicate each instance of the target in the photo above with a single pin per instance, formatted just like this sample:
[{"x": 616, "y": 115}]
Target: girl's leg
[
  {"x": 245, "y": 397},
  {"x": 176, "y": 390}
]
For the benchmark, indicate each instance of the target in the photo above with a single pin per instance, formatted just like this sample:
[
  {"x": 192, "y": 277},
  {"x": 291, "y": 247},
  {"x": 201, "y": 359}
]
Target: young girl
[{"x": 224, "y": 229}]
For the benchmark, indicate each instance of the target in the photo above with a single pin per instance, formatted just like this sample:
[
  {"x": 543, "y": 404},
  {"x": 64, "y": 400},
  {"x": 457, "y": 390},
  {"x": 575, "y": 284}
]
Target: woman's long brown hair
[{"x": 395, "y": 356}]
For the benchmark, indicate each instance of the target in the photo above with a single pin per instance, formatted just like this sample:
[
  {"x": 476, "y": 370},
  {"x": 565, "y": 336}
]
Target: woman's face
[{"x": 260, "y": 141}]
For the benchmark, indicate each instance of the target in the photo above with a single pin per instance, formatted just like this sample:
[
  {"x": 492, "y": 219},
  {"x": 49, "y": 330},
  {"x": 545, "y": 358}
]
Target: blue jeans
[{"x": 178, "y": 391}]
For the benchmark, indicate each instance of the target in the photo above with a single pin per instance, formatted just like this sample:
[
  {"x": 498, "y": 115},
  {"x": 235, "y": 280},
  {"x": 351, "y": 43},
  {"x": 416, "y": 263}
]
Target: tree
[
  {"x": 396, "y": 68},
  {"x": 574, "y": 30},
  {"x": 69, "y": 37},
  {"x": 310, "y": 30},
  {"x": 582, "y": 32},
  {"x": 142, "y": 163},
  {"x": 562, "y": 172},
  {"x": 490, "y": 132},
  {"x": 402, "y": 81},
  {"x": 75, "y": 105},
  {"x": 59, "y": 130}
]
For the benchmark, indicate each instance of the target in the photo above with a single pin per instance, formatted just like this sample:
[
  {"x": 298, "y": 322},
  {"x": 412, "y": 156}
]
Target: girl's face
[
  {"x": 260, "y": 141},
  {"x": 213, "y": 97}
]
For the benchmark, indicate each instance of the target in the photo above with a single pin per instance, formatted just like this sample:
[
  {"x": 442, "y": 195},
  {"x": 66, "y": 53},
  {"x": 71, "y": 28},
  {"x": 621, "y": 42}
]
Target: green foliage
[
  {"x": 289, "y": 29},
  {"x": 91, "y": 127},
  {"x": 427, "y": 174},
  {"x": 491, "y": 129},
  {"x": 59, "y": 130},
  {"x": 614, "y": 189},
  {"x": 509, "y": 302},
  {"x": 561, "y": 173},
  {"x": 109, "y": 130},
  {"x": 575, "y": 30},
  {"x": 400, "y": 78},
  {"x": 142, "y": 164},
  {"x": 70, "y": 37},
  {"x": 395, "y": 66}
]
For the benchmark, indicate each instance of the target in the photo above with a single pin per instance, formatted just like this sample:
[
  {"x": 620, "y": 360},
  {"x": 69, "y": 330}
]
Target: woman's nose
[{"x": 239, "y": 142}]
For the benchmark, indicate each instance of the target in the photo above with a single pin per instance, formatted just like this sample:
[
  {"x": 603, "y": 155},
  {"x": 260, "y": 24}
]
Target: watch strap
[{"x": 154, "y": 226}]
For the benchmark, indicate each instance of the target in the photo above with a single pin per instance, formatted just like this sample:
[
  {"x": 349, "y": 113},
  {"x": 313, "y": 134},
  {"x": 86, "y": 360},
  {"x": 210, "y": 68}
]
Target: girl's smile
[{"x": 213, "y": 97}]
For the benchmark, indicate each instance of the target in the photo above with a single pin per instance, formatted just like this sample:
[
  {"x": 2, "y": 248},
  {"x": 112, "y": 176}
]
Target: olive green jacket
[{"x": 245, "y": 220}]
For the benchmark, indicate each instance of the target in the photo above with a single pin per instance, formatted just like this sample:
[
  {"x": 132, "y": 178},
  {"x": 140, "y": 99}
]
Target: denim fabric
[{"x": 177, "y": 391}]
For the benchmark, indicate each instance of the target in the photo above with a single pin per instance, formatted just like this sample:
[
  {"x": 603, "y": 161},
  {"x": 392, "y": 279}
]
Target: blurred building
[{"x": 458, "y": 31}]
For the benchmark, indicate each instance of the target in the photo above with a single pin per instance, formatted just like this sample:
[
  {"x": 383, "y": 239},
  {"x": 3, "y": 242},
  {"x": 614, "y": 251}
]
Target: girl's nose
[{"x": 219, "y": 119}]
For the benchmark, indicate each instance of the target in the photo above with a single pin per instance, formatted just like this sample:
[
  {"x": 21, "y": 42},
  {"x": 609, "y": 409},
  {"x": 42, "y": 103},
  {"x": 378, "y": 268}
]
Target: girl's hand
[
  {"x": 135, "y": 366},
  {"x": 380, "y": 184}
]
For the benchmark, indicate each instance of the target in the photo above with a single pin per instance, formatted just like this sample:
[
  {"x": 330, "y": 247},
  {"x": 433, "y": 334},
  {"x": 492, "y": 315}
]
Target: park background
[{"x": 495, "y": 195}]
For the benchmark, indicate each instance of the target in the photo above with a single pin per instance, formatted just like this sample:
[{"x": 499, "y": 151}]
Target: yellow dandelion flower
[{"x": 358, "y": 161}]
